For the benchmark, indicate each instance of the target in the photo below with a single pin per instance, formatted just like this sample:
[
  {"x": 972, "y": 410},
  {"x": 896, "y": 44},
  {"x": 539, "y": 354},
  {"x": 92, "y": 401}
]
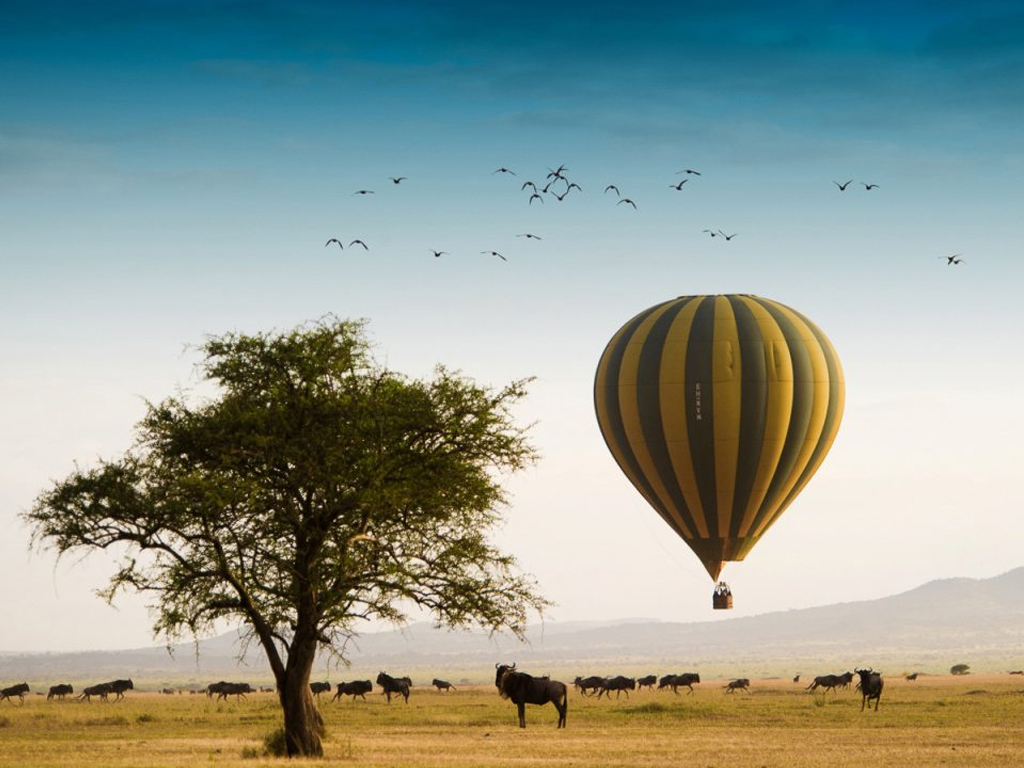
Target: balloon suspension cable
[{"x": 721, "y": 599}]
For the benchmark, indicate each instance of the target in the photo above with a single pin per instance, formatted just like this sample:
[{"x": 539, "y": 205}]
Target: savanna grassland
[{"x": 936, "y": 721}]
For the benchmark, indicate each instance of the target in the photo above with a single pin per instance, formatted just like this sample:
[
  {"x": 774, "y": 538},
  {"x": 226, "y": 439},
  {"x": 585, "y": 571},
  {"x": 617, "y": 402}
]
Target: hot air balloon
[{"x": 719, "y": 410}]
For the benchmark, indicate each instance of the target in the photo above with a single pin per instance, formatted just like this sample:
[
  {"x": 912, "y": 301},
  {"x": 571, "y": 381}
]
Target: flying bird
[
  {"x": 363, "y": 192},
  {"x": 529, "y": 184},
  {"x": 358, "y": 242},
  {"x": 951, "y": 260},
  {"x": 504, "y": 170},
  {"x": 557, "y": 173},
  {"x": 679, "y": 186},
  {"x": 713, "y": 234},
  {"x": 868, "y": 187},
  {"x": 612, "y": 186},
  {"x": 535, "y": 195},
  {"x": 334, "y": 240},
  {"x": 842, "y": 187},
  {"x": 727, "y": 237},
  {"x": 438, "y": 254},
  {"x": 495, "y": 253},
  {"x": 528, "y": 236},
  {"x": 627, "y": 200},
  {"x": 688, "y": 170},
  {"x": 398, "y": 179},
  {"x": 573, "y": 185}
]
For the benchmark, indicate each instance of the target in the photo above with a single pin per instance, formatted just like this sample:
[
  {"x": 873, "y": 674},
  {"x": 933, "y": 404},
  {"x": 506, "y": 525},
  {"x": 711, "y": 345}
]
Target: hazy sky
[{"x": 172, "y": 169}]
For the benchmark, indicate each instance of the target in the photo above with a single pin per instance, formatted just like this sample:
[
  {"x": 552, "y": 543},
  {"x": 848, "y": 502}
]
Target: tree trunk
[{"x": 303, "y": 723}]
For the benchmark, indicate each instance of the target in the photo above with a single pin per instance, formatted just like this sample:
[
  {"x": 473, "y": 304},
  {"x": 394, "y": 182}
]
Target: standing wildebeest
[
  {"x": 318, "y": 688},
  {"x": 796, "y": 678},
  {"x": 675, "y": 682},
  {"x": 224, "y": 689},
  {"x": 619, "y": 684},
  {"x": 18, "y": 690},
  {"x": 647, "y": 682},
  {"x": 831, "y": 682},
  {"x": 100, "y": 689},
  {"x": 119, "y": 687},
  {"x": 740, "y": 684},
  {"x": 522, "y": 689},
  {"x": 353, "y": 689},
  {"x": 591, "y": 684},
  {"x": 442, "y": 685},
  {"x": 394, "y": 685},
  {"x": 871, "y": 684},
  {"x": 911, "y": 678},
  {"x": 59, "y": 691}
]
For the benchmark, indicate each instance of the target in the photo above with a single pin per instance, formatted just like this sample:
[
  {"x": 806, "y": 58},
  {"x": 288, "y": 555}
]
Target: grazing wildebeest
[
  {"x": 522, "y": 689},
  {"x": 831, "y": 682},
  {"x": 353, "y": 689},
  {"x": 740, "y": 684},
  {"x": 646, "y": 682},
  {"x": 318, "y": 688},
  {"x": 100, "y": 689},
  {"x": 619, "y": 684},
  {"x": 119, "y": 687},
  {"x": 18, "y": 690},
  {"x": 168, "y": 691},
  {"x": 442, "y": 685},
  {"x": 394, "y": 685},
  {"x": 589, "y": 685},
  {"x": 1017, "y": 672},
  {"x": 871, "y": 684},
  {"x": 911, "y": 677},
  {"x": 675, "y": 682},
  {"x": 59, "y": 691}
]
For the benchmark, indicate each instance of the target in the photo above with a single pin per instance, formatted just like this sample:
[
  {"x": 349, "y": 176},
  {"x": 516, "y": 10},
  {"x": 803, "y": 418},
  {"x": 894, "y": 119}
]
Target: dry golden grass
[{"x": 973, "y": 721}]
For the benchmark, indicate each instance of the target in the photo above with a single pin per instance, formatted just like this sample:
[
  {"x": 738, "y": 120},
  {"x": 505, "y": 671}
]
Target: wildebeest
[
  {"x": 394, "y": 685},
  {"x": 619, "y": 684},
  {"x": 522, "y": 689},
  {"x": 119, "y": 687},
  {"x": 796, "y": 678},
  {"x": 353, "y": 689},
  {"x": 739, "y": 684},
  {"x": 318, "y": 688},
  {"x": 675, "y": 682},
  {"x": 442, "y": 685},
  {"x": 831, "y": 682},
  {"x": 589, "y": 685},
  {"x": 168, "y": 691},
  {"x": 911, "y": 677},
  {"x": 1017, "y": 672},
  {"x": 647, "y": 682},
  {"x": 18, "y": 690},
  {"x": 871, "y": 685},
  {"x": 59, "y": 691},
  {"x": 224, "y": 689},
  {"x": 100, "y": 689}
]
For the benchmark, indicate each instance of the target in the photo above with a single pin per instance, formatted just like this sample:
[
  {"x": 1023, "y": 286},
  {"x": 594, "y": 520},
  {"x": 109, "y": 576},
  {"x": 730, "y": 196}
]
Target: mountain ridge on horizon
[{"x": 942, "y": 617}]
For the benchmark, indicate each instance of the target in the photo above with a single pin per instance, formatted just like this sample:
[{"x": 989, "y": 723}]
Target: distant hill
[{"x": 975, "y": 621}]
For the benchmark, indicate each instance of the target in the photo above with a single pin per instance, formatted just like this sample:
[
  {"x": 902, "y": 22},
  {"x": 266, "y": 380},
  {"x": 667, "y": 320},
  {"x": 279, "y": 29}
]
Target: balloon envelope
[{"x": 719, "y": 409}]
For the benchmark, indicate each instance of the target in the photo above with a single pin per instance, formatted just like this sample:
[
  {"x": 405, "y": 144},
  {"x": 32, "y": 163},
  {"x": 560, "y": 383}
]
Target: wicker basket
[{"x": 722, "y": 601}]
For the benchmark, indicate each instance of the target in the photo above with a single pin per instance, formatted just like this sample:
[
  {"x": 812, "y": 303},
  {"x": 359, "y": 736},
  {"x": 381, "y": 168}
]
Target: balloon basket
[{"x": 721, "y": 600}]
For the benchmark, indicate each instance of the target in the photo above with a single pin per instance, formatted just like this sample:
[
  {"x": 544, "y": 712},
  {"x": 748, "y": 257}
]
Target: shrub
[
  {"x": 274, "y": 743},
  {"x": 960, "y": 669}
]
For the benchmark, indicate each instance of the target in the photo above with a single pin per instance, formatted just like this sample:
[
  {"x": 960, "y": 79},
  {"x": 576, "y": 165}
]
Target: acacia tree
[{"x": 315, "y": 489}]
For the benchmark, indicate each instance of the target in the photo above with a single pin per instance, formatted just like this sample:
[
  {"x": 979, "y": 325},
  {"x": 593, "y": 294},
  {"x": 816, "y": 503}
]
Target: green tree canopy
[{"x": 315, "y": 489}]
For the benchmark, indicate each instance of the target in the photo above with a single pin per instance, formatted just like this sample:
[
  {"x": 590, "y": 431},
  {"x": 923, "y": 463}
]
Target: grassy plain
[{"x": 972, "y": 721}]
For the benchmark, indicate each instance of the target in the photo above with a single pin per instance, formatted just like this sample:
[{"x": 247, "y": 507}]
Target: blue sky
[{"x": 172, "y": 169}]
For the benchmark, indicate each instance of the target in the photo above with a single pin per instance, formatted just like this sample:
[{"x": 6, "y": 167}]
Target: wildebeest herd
[{"x": 512, "y": 683}]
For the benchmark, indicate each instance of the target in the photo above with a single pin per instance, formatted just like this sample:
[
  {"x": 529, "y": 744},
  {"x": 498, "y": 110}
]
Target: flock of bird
[{"x": 557, "y": 184}]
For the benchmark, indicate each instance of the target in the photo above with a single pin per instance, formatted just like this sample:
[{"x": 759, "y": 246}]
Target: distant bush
[
  {"x": 145, "y": 717},
  {"x": 960, "y": 669}
]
